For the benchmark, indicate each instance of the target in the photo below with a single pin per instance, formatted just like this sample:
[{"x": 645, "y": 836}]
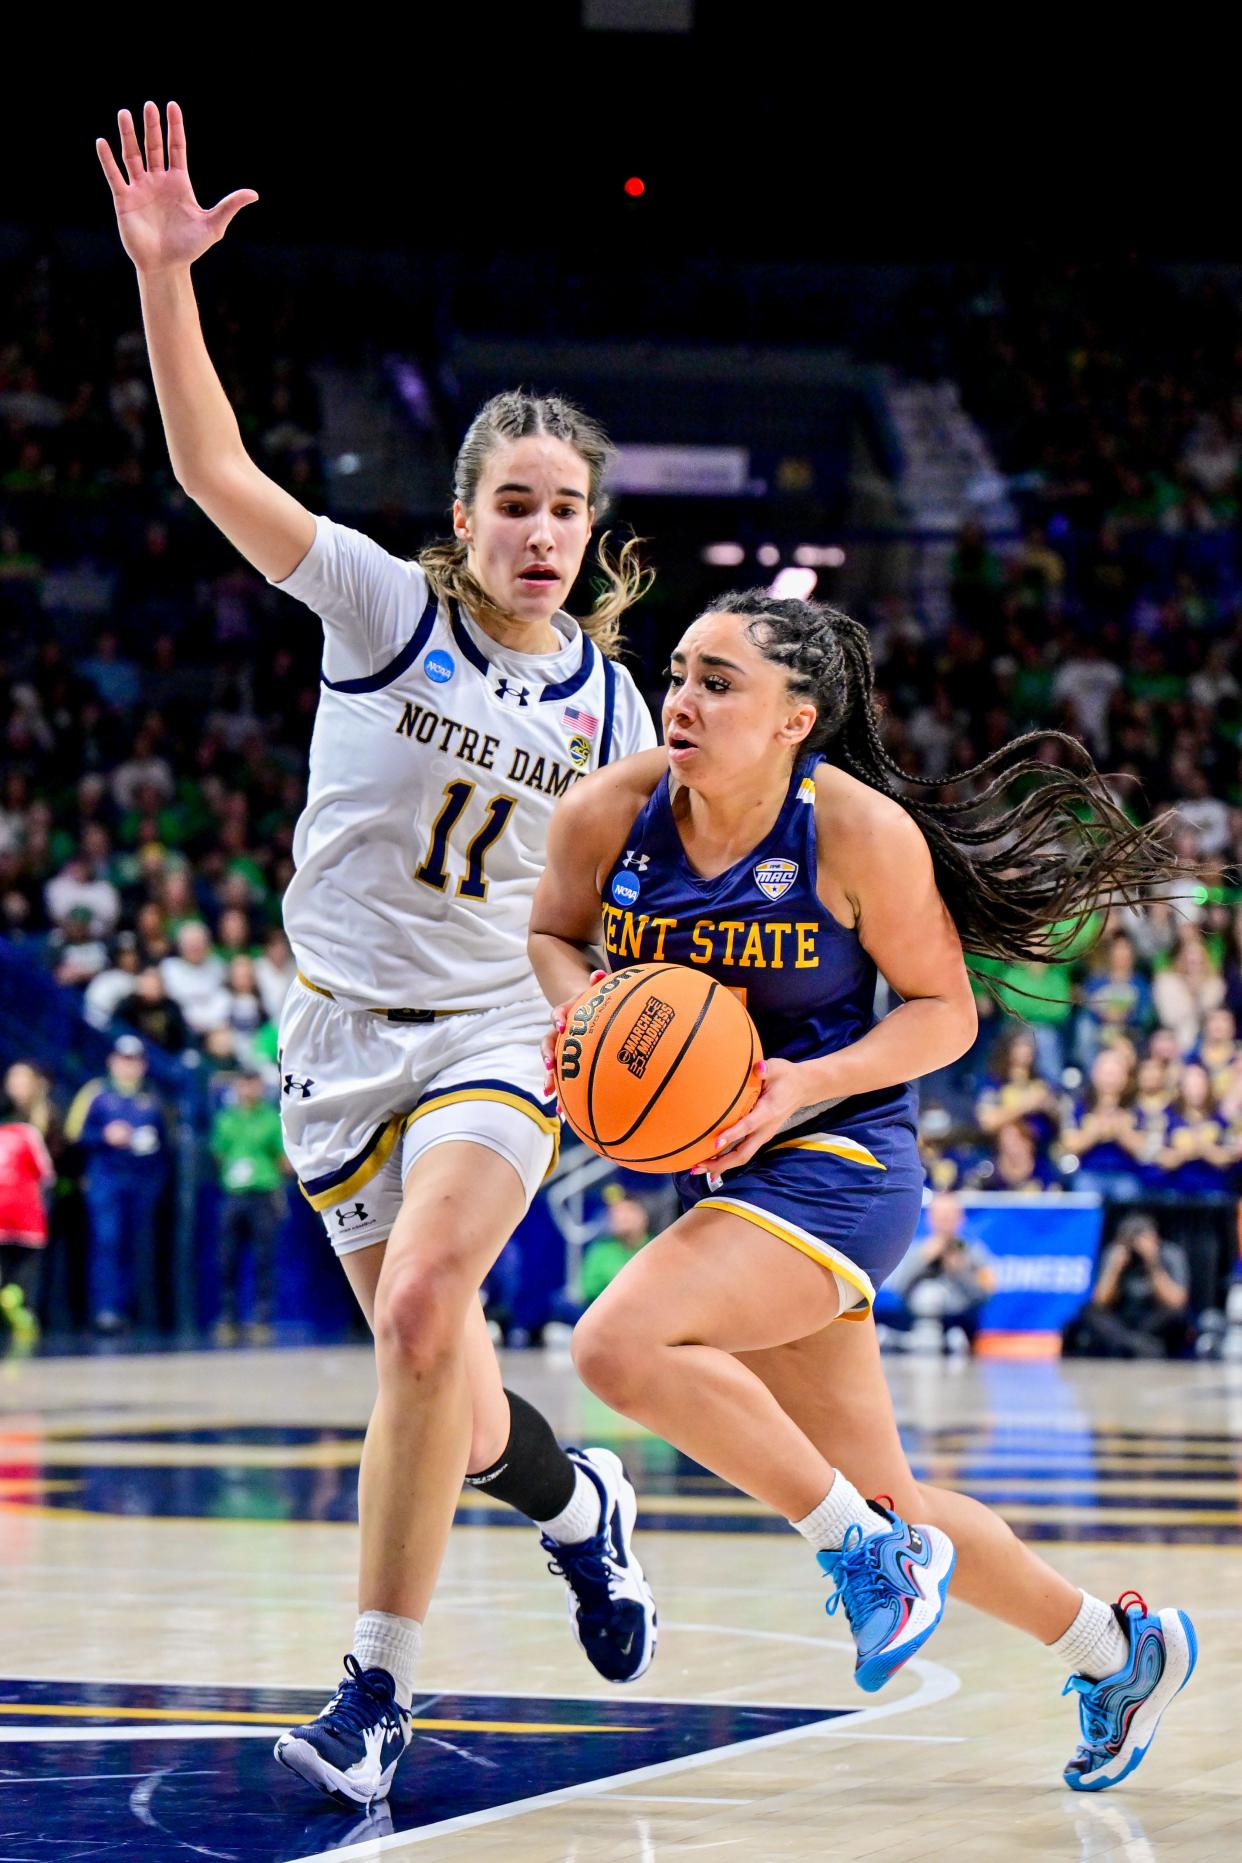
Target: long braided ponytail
[{"x": 1022, "y": 864}]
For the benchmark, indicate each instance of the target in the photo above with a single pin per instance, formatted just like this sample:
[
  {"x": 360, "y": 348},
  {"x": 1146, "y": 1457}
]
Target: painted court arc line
[{"x": 936, "y": 1683}]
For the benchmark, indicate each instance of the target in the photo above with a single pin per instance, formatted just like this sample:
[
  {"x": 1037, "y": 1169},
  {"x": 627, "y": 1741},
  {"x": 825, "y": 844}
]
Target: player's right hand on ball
[
  {"x": 547, "y": 1048},
  {"x": 161, "y": 224}
]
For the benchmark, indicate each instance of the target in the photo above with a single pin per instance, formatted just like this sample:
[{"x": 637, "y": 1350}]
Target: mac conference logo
[{"x": 775, "y": 877}]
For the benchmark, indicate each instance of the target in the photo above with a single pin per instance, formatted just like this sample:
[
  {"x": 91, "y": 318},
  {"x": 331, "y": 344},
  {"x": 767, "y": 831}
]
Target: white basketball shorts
[{"x": 361, "y": 1098}]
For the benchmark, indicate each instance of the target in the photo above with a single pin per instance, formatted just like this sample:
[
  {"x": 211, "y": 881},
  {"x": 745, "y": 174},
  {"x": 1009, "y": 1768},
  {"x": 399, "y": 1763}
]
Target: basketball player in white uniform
[{"x": 458, "y": 703}]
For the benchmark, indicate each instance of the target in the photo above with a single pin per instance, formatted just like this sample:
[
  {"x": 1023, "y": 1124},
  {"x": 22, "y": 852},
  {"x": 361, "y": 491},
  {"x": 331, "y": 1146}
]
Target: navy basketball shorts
[{"x": 847, "y": 1193}]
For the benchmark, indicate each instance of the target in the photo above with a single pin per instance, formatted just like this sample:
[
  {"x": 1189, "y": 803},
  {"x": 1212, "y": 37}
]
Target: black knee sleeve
[{"x": 533, "y": 1473}]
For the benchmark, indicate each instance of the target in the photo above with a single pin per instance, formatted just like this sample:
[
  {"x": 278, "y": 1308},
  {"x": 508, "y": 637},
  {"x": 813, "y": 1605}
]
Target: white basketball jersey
[{"x": 436, "y": 761}]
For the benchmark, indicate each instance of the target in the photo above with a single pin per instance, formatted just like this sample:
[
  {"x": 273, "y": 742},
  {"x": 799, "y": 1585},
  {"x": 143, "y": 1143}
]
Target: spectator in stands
[
  {"x": 143, "y": 768},
  {"x": 234, "y": 937},
  {"x": 1015, "y": 1163},
  {"x": 77, "y": 952},
  {"x": 252, "y": 1034},
  {"x": 1201, "y": 1151},
  {"x": 629, "y": 1228},
  {"x": 1187, "y": 990},
  {"x": 1116, "y": 998},
  {"x": 1219, "y": 1049},
  {"x": 194, "y": 978},
  {"x": 1141, "y": 1304},
  {"x": 946, "y": 1278},
  {"x": 1014, "y": 1090},
  {"x": 153, "y": 1014},
  {"x": 976, "y": 579},
  {"x": 108, "y": 989},
  {"x": 1085, "y": 686},
  {"x": 1100, "y": 1133},
  {"x": 116, "y": 679},
  {"x": 943, "y": 1158},
  {"x": 248, "y": 1150},
  {"x": 81, "y": 887},
  {"x": 122, "y": 1130},
  {"x": 1041, "y": 996},
  {"x": 151, "y": 932},
  {"x": 274, "y": 972},
  {"x": 1152, "y": 1111}
]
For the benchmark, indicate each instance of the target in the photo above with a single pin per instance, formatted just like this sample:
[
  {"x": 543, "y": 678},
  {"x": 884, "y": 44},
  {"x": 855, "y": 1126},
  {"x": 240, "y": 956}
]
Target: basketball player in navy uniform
[
  {"x": 774, "y": 844},
  {"x": 459, "y": 701}
]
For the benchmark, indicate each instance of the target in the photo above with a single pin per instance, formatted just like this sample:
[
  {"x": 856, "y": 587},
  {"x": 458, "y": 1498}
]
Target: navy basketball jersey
[{"x": 759, "y": 928}]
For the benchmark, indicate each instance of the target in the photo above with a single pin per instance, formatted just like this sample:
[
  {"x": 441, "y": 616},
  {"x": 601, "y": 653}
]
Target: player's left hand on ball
[
  {"x": 547, "y": 1047},
  {"x": 780, "y": 1097}
]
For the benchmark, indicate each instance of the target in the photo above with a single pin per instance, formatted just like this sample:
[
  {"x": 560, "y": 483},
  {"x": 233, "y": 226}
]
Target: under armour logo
[
  {"x": 294, "y": 1085},
  {"x": 639, "y": 862},
  {"x": 357, "y": 1215},
  {"x": 515, "y": 695}
]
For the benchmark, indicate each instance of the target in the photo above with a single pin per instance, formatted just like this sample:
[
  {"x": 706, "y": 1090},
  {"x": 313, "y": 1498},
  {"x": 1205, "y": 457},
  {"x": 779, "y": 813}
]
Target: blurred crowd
[{"x": 156, "y": 700}]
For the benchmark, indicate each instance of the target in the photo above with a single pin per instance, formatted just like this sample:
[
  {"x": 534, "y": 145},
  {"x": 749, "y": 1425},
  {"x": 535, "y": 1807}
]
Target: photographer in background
[
  {"x": 1140, "y": 1306},
  {"x": 943, "y": 1281}
]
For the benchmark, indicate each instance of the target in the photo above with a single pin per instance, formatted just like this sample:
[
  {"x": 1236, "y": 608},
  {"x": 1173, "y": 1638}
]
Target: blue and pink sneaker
[
  {"x": 1119, "y": 1714},
  {"x": 893, "y": 1586}
]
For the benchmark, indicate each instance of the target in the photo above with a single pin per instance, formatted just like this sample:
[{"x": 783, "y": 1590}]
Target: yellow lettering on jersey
[
  {"x": 808, "y": 956},
  {"x": 729, "y": 926},
  {"x": 778, "y": 928},
  {"x": 661, "y": 927},
  {"x": 611, "y": 915},
  {"x": 752, "y": 950},
  {"x": 701, "y": 942},
  {"x": 632, "y": 930}
]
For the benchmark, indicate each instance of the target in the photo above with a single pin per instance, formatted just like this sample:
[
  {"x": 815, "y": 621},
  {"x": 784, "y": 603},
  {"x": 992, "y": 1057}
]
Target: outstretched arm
[{"x": 164, "y": 230}]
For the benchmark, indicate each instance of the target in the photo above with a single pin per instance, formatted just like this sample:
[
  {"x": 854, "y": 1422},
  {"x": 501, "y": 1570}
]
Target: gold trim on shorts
[
  {"x": 821, "y": 1252},
  {"x": 420, "y": 1015}
]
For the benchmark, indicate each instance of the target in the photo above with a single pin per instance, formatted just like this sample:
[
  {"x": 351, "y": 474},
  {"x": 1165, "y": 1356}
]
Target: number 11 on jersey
[{"x": 434, "y": 870}]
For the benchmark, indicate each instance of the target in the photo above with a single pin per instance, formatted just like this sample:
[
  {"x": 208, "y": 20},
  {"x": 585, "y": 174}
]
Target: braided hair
[{"x": 1022, "y": 865}]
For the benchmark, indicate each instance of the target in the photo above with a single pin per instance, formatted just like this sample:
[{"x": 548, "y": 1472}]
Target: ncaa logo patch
[
  {"x": 625, "y": 889},
  {"x": 775, "y": 877},
  {"x": 440, "y": 666},
  {"x": 580, "y": 750}
]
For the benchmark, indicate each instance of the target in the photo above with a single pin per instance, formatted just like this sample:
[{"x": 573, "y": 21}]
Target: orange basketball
[{"x": 655, "y": 1060}]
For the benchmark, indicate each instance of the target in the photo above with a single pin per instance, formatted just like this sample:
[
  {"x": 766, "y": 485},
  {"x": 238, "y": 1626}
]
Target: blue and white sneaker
[
  {"x": 1119, "y": 1714},
  {"x": 893, "y": 1587},
  {"x": 351, "y": 1750},
  {"x": 611, "y": 1610}
]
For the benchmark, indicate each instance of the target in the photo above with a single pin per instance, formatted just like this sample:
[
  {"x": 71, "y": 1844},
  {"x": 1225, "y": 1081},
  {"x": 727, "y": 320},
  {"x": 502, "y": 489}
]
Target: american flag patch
[{"x": 575, "y": 719}]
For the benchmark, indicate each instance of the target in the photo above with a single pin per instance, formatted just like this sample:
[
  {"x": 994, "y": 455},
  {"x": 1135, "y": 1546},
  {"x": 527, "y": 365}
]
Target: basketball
[{"x": 654, "y": 1062}]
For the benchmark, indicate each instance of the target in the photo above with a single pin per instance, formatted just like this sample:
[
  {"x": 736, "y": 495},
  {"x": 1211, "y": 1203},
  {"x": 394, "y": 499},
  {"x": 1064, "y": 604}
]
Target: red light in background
[{"x": 635, "y": 186}]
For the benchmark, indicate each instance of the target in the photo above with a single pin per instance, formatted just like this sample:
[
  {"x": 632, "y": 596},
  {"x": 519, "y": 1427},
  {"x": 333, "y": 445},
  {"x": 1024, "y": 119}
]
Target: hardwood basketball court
[{"x": 178, "y": 1558}]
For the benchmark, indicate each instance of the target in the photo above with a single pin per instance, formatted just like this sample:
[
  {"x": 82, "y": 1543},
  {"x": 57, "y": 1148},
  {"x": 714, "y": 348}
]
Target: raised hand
[{"x": 162, "y": 226}]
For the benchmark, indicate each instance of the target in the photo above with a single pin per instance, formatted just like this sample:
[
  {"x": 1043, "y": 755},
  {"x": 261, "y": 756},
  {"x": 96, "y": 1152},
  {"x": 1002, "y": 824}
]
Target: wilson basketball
[{"x": 655, "y": 1060}]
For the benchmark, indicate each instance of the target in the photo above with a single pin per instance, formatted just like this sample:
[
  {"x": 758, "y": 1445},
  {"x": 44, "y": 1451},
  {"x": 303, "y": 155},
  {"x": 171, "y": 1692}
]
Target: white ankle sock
[
  {"x": 1095, "y": 1644},
  {"x": 382, "y": 1641},
  {"x": 580, "y": 1516},
  {"x": 841, "y": 1508}
]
